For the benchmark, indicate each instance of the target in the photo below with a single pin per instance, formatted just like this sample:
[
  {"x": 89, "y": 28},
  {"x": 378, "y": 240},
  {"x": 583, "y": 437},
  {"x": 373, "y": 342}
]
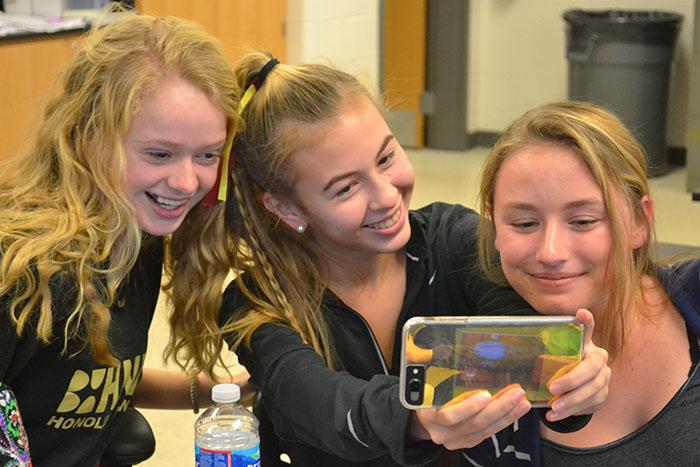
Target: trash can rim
[{"x": 611, "y": 16}]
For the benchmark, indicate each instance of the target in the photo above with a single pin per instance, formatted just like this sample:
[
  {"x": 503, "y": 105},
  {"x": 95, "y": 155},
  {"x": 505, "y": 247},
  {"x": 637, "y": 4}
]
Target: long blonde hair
[
  {"x": 279, "y": 270},
  {"x": 618, "y": 164},
  {"x": 64, "y": 212}
]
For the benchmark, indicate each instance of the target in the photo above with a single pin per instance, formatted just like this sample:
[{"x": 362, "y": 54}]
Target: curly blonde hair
[{"x": 63, "y": 211}]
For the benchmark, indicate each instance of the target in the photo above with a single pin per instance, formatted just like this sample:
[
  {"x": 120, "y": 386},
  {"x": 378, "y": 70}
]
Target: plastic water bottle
[{"x": 226, "y": 434}]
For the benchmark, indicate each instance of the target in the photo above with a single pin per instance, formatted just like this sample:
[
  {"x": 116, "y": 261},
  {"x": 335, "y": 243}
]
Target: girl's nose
[
  {"x": 554, "y": 245},
  {"x": 183, "y": 177},
  {"x": 383, "y": 194}
]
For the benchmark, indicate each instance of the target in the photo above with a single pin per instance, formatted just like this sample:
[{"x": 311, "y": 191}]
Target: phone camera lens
[{"x": 414, "y": 391}]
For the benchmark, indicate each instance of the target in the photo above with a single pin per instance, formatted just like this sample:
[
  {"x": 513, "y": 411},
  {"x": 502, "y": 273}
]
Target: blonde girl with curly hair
[{"x": 129, "y": 146}]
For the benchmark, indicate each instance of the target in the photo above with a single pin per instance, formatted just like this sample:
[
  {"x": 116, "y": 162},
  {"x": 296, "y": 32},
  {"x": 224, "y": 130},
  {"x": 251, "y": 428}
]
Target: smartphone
[{"x": 446, "y": 359}]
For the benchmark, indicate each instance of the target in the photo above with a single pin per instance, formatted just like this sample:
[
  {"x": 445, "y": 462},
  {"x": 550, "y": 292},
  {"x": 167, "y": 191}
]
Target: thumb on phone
[
  {"x": 584, "y": 389},
  {"x": 585, "y": 317}
]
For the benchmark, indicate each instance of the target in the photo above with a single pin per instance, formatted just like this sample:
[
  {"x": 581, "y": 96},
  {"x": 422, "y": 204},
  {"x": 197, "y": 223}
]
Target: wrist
[{"x": 416, "y": 431}]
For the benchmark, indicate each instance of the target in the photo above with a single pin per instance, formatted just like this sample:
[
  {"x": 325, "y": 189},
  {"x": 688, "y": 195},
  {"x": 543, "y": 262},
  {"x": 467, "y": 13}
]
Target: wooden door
[
  {"x": 240, "y": 25},
  {"x": 405, "y": 32},
  {"x": 29, "y": 67},
  {"x": 203, "y": 13}
]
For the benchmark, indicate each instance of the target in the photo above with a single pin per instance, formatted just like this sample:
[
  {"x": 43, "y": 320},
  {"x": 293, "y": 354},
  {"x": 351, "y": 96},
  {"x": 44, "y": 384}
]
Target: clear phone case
[{"x": 446, "y": 359}]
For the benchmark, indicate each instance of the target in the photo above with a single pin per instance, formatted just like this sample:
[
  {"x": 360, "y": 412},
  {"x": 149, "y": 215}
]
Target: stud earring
[{"x": 301, "y": 228}]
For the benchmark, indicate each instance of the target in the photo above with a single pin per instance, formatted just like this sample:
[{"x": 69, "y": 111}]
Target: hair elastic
[
  {"x": 220, "y": 189},
  {"x": 258, "y": 79}
]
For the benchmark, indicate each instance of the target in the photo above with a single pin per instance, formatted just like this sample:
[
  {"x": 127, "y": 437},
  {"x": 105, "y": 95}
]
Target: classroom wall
[
  {"x": 344, "y": 33},
  {"x": 517, "y": 58}
]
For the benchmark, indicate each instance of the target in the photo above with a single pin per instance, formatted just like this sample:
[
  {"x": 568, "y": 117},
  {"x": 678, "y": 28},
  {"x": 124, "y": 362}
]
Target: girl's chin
[{"x": 554, "y": 307}]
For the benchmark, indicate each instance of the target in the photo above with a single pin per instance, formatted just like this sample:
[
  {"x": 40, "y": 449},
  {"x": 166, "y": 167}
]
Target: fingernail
[
  {"x": 523, "y": 408},
  {"x": 558, "y": 407},
  {"x": 484, "y": 397},
  {"x": 517, "y": 395}
]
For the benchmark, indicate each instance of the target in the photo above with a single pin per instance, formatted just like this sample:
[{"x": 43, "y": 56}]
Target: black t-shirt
[
  {"x": 671, "y": 437},
  {"x": 70, "y": 404}
]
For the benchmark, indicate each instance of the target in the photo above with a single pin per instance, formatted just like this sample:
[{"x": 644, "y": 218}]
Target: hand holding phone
[
  {"x": 467, "y": 423},
  {"x": 585, "y": 388},
  {"x": 446, "y": 359}
]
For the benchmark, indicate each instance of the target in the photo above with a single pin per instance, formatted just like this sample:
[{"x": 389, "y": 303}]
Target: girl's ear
[
  {"x": 640, "y": 229},
  {"x": 287, "y": 211}
]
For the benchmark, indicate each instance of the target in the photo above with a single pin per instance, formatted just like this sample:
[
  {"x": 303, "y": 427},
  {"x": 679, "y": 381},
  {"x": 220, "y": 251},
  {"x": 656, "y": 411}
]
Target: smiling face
[
  {"x": 552, "y": 230},
  {"x": 172, "y": 152},
  {"x": 354, "y": 187}
]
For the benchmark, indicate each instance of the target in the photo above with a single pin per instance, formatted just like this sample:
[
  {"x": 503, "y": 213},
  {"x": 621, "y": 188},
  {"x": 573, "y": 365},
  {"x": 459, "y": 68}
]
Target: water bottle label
[{"x": 216, "y": 458}]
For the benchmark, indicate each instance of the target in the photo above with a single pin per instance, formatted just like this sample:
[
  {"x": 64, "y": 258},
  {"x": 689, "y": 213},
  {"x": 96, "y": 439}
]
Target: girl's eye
[
  {"x": 584, "y": 223},
  {"x": 344, "y": 192},
  {"x": 386, "y": 160},
  {"x": 210, "y": 158},
  {"x": 525, "y": 225},
  {"x": 159, "y": 155}
]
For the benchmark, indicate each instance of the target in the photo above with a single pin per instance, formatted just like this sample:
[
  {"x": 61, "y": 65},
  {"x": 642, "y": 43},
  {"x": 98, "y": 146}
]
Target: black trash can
[{"x": 621, "y": 60}]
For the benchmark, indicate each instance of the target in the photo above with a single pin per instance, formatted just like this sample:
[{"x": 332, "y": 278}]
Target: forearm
[
  {"x": 346, "y": 416},
  {"x": 310, "y": 404},
  {"x": 160, "y": 389}
]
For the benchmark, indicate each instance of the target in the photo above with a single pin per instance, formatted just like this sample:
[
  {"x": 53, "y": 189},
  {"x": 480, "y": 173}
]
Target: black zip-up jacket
[{"x": 352, "y": 416}]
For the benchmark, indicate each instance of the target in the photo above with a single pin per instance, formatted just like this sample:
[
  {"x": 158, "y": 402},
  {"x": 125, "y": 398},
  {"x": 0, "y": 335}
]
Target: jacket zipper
[{"x": 374, "y": 340}]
